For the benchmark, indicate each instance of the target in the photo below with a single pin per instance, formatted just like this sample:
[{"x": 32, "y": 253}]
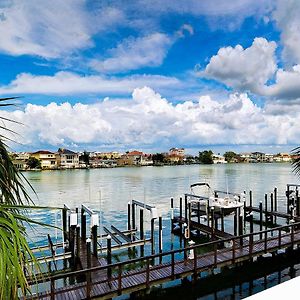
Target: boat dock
[{"x": 91, "y": 275}]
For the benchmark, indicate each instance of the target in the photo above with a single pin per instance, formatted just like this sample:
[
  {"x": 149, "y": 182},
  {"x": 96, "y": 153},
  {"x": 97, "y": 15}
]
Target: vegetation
[
  {"x": 231, "y": 156},
  {"x": 15, "y": 253},
  {"x": 296, "y": 161},
  {"x": 206, "y": 157},
  {"x": 33, "y": 163},
  {"x": 158, "y": 158}
]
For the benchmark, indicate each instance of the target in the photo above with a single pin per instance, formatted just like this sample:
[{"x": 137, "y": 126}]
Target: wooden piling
[
  {"x": 297, "y": 203},
  {"x": 266, "y": 209},
  {"x": 272, "y": 207},
  {"x": 172, "y": 214},
  {"x": 222, "y": 220},
  {"x": 260, "y": 217},
  {"x": 83, "y": 225},
  {"x": 185, "y": 207},
  {"x": 95, "y": 238},
  {"x": 108, "y": 257},
  {"x": 250, "y": 199},
  {"x": 160, "y": 244},
  {"x": 77, "y": 243},
  {"x": 64, "y": 221},
  {"x": 275, "y": 198},
  {"x": 152, "y": 237},
  {"x": 89, "y": 264},
  {"x": 142, "y": 229},
  {"x": 251, "y": 222},
  {"x": 241, "y": 228},
  {"x": 212, "y": 210},
  {"x": 133, "y": 215},
  {"x": 235, "y": 223},
  {"x": 128, "y": 216}
]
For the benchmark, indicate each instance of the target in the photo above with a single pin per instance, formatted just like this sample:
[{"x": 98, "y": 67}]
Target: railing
[{"x": 118, "y": 271}]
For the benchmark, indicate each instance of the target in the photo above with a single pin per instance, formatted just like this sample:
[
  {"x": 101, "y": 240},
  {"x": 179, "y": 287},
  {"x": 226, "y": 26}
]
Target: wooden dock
[{"x": 122, "y": 278}]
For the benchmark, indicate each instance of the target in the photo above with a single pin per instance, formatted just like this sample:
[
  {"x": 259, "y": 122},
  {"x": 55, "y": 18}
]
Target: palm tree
[
  {"x": 296, "y": 160},
  {"x": 15, "y": 253}
]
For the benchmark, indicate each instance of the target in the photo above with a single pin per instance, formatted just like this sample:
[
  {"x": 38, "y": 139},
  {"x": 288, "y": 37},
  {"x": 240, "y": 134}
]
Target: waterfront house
[
  {"x": 258, "y": 157},
  {"x": 282, "y": 157},
  {"x": 219, "y": 159},
  {"x": 47, "y": 159},
  {"x": 67, "y": 159},
  {"x": 20, "y": 160},
  {"x": 177, "y": 152}
]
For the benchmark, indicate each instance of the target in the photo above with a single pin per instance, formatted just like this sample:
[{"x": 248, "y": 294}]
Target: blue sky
[{"x": 150, "y": 75}]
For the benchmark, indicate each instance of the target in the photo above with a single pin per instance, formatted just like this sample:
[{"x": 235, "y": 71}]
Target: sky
[{"x": 151, "y": 75}]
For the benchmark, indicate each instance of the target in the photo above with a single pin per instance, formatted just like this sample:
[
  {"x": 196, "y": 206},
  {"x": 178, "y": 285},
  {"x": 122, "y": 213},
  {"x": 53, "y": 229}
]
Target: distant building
[
  {"x": 219, "y": 159},
  {"x": 48, "y": 159},
  {"x": 258, "y": 156},
  {"x": 177, "y": 152},
  {"x": 20, "y": 160},
  {"x": 282, "y": 157},
  {"x": 67, "y": 159}
]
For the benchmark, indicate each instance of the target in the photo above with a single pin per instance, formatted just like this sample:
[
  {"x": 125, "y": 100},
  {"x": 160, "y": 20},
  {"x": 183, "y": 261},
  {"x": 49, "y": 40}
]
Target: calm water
[{"x": 109, "y": 190}]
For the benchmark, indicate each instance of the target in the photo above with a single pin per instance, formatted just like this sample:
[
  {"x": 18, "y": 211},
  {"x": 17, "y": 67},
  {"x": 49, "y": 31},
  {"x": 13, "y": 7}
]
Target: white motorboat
[{"x": 203, "y": 197}]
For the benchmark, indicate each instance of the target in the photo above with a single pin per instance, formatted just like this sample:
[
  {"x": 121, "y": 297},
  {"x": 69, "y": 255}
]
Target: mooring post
[
  {"x": 222, "y": 219},
  {"x": 235, "y": 223},
  {"x": 72, "y": 230},
  {"x": 185, "y": 207},
  {"x": 260, "y": 218},
  {"x": 251, "y": 222},
  {"x": 172, "y": 214},
  {"x": 241, "y": 227},
  {"x": 180, "y": 219},
  {"x": 272, "y": 206},
  {"x": 77, "y": 242},
  {"x": 88, "y": 275},
  {"x": 275, "y": 198},
  {"x": 212, "y": 210},
  {"x": 94, "y": 229},
  {"x": 142, "y": 229},
  {"x": 152, "y": 237},
  {"x": 133, "y": 215},
  {"x": 128, "y": 216},
  {"x": 160, "y": 242},
  {"x": 185, "y": 241},
  {"x": 266, "y": 209},
  {"x": 190, "y": 217},
  {"x": 109, "y": 271},
  {"x": 64, "y": 221},
  {"x": 288, "y": 199},
  {"x": 250, "y": 200}
]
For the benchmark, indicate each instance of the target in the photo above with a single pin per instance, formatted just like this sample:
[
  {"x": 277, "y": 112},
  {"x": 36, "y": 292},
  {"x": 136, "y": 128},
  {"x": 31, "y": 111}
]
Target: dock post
[
  {"x": 88, "y": 275},
  {"x": 272, "y": 207},
  {"x": 266, "y": 209},
  {"x": 275, "y": 198},
  {"x": 288, "y": 200},
  {"x": 180, "y": 219},
  {"x": 72, "y": 230},
  {"x": 160, "y": 242},
  {"x": 133, "y": 215},
  {"x": 152, "y": 237},
  {"x": 109, "y": 271},
  {"x": 185, "y": 207},
  {"x": 128, "y": 216},
  {"x": 212, "y": 209},
  {"x": 94, "y": 225},
  {"x": 64, "y": 221},
  {"x": 235, "y": 223},
  {"x": 222, "y": 220},
  {"x": 172, "y": 214},
  {"x": 185, "y": 241},
  {"x": 241, "y": 227},
  {"x": 260, "y": 218},
  {"x": 77, "y": 243},
  {"x": 190, "y": 217},
  {"x": 251, "y": 222},
  {"x": 83, "y": 225},
  {"x": 142, "y": 229},
  {"x": 250, "y": 199}
]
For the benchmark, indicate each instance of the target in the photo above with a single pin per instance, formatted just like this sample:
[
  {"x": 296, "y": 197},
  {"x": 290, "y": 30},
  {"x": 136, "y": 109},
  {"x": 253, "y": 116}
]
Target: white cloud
[
  {"x": 244, "y": 69},
  {"x": 131, "y": 54},
  {"x": 50, "y": 29},
  {"x": 67, "y": 83},
  {"x": 148, "y": 120},
  {"x": 287, "y": 19}
]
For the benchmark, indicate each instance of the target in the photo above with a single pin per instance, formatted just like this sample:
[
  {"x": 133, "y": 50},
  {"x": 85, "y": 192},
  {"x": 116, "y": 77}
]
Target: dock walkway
[{"x": 126, "y": 279}]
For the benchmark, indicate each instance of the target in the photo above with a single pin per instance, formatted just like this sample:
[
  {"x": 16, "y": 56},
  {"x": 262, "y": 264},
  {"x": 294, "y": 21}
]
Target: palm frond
[{"x": 296, "y": 161}]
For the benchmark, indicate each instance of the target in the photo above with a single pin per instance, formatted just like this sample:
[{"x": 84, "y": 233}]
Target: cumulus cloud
[
  {"x": 50, "y": 29},
  {"x": 132, "y": 54},
  {"x": 244, "y": 69},
  {"x": 149, "y": 120},
  {"x": 68, "y": 83},
  {"x": 287, "y": 19}
]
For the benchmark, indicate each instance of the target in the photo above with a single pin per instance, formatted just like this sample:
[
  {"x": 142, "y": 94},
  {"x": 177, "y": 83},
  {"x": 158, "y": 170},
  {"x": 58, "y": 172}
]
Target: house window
[{"x": 69, "y": 156}]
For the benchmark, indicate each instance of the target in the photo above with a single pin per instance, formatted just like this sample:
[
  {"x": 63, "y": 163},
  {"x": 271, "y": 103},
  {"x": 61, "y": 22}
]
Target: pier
[{"x": 91, "y": 275}]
